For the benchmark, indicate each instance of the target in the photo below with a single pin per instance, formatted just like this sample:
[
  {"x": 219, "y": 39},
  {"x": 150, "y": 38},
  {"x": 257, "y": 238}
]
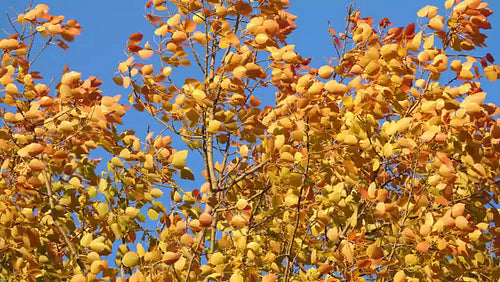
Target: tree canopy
[{"x": 381, "y": 165}]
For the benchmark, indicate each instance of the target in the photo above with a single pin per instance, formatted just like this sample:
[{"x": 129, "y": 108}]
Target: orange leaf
[
  {"x": 135, "y": 38},
  {"x": 145, "y": 54},
  {"x": 422, "y": 246}
]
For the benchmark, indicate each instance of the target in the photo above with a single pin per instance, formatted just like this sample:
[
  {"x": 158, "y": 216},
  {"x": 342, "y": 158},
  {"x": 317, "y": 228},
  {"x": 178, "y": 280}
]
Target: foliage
[{"x": 383, "y": 164}]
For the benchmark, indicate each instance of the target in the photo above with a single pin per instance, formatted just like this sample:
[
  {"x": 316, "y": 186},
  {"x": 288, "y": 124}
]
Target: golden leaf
[
  {"x": 214, "y": 126},
  {"x": 491, "y": 73},
  {"x": 174, "y": 20},
  {"x": 11, "y": 89},
  {"x": 437, "y": 23},
  {"x": 236, "y": 277},
  {"x": 325, "y": 72},
  {"x": 428, "y": 11},
  {"x": 400, "y": 276},
  {"x": 145, "y": 54},
  {"x": 216, "y": 258},
  {"x": 179, "y": 159},
  {"x": 130, "y": 259}
]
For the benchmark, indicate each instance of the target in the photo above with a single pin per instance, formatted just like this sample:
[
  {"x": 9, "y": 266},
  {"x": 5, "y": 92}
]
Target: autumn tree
[{"x": 381, "y": 165}]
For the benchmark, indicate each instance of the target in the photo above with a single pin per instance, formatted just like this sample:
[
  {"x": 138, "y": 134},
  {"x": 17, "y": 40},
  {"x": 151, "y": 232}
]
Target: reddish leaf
[
  {"x": 490, "y": 58},
  {"x": 135, "y": 38},
  {"x": 383, "y": 23},
  {"x": 409, "y": 32}
]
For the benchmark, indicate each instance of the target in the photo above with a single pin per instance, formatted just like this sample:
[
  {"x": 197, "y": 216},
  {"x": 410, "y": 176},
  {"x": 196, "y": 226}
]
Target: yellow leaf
[
  {"x": 116, "y": 230},
  {"x": 241, "y": 204},
  {"x": 411, "y": 259},
  {"x": 102, "y": 208},
  {"x": 125, "y": 153},
  {"x": 162, "y": 30},
  {"x": 490, "y": 73},
  {"x": 403, "y": 124},
  {"x": 199, "y": 96},
  {"x": 145, "y": 54},
  {"x": 400, "y": 276},
  {"x": 236, "y": 277},
  {"x": 372, "y": 68},
  {"x": 414, "y": 45},
  {"x": 325, "y": 72},
  {"x": 407, "y": 143},
  {"x": 11, "y": 89},
  {"x": 152, "y": 214},
  {"x": 238, "y": 221},
  {"x": 279, "y": 141},
  {"x": 428, "y": 135},
  {"x": 347, "y": 101},
  {"x": 78, "y": 278},
  {"x": 429, "y": 42},
  {"x": 270, "y": 278},
  {"x": 130, "y": 259},
  {"x": 174, "y": 20},
  {"x": 350, "y": 139},
  {"x": 291, "y": 200},
  {"x": 261, "y": 38},
  {"x": 152, "y": 256},
  {"x": 466, "y": 74},
  {"x": 214, "y": 126},
  {"x": 462, "y": 223},
  {"x": 179, "y": 159},
  {"x": 437, "y": 23},
  {"x": 335, "y": 88},
  {"x": 216, "y": 258},
  {"x": 98, "y": 245},
  {"x": 178, "y": 36},
  {"x": 333, "y": 234},
  {"x": 477, "y": 98},
  {"x": 140, "y": 250},
  {"x": 117, "y": 162},
  {"x": 428, "y": 11},
  {"x": 32, "y": 149},
  {"x": 126, "y": 82},
  {"x": 86, "y": 239},
  {"x": 157, "y": 193},
  {"x": 171, "y": 257},
  {"x": 286, "y": 156},
  {"x": 347, "y": 251}
]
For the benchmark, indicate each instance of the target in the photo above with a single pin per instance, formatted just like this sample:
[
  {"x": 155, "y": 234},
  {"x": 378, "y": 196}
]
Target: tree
[{"x": 383, "y": 164}]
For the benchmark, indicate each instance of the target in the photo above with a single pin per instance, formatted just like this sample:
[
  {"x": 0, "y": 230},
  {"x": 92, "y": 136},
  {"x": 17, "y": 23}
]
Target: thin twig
[
  {"x": 290, "y": 262},
  {"x": 59, "y": 228},
  {"x": 41, "y": 50},
  {"x": 194, "y": 255},
  {"x": 350, "y": 10},
  {"x": 244, "y": 175}
]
